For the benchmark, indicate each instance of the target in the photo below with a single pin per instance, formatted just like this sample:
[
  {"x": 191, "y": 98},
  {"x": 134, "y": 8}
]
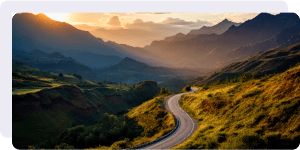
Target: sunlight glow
[{"x": 57, "y": 16}]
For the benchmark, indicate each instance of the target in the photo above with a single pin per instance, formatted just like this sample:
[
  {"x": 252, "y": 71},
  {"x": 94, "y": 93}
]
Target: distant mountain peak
[
  {"x": 264, "y": 16},
  {"x": 219, "y": 28},
  {"x": 38, "y": 53},
  {"x": 130, "y": 60},
  {"x": 180, "y": 33},
  {"x": 56, "y": 55},
  {"x": 226, "y": 20}
]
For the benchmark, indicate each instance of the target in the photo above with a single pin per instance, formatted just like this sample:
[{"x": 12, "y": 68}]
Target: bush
[
  {"x": 205, "y": 87},
  {"x": 244, "y": 77},
  {"x": 188, "y": 88},
  {"x": 217, "y": 82},
  {"x": 77, "y": 75},
  {"x": 164, "y": 90},
  {"x": 64, "y": 146}
]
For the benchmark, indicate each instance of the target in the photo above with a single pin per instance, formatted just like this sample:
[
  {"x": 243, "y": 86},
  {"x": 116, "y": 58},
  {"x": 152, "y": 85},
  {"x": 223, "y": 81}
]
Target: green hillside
[
  {"x": 45, "y": 103},
  {"x": 248, "y": 112}
]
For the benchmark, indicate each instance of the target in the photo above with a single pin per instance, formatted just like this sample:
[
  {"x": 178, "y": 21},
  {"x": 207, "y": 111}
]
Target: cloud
[
  {"x": 176, "y": 21},
  {"x": 139, "y": 23},
  {"x": 200, "y": 23},
  {"x": 114, "y": 21}
]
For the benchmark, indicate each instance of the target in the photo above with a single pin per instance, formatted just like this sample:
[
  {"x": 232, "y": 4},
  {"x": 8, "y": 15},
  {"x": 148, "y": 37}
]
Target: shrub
[
  {"x": 205, "y": 87},
  {"x": 188, "y": 88},
  {"x": 64, "y": 146},
  {"x": 244, "y": 77},
  {"x": 209, "y": 95},
  {"x": 217, "y": 82},
  {"x": 164, "y": 90},
  {"x": 77, "y": 75}
]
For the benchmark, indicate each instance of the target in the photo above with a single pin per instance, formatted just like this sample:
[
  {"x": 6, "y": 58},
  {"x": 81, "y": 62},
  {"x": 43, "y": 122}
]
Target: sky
[
  {"x": 111, "y": 20},
  {"x": 140, "y": 29}
]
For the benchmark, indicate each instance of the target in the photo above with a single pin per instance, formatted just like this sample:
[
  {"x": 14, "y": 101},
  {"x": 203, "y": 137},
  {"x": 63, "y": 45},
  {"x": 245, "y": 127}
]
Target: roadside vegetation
[
  {"x": 249, "y": 111},
  {"x": 187, "y": 88},
  {"x": 141, "y": 124}
]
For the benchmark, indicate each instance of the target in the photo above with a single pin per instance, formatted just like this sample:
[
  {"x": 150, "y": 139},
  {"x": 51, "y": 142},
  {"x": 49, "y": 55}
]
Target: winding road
[{"x": 187, "y": 125}]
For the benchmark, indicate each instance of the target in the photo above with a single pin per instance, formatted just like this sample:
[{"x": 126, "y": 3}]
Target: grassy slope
[
  {"x": 141, "y": 124},
  {"x": 31, "y": 128},
  {"x": 259, "y": 113},
  {"x": 272, "y": 61},
  {"x": 152, "y": 118}
]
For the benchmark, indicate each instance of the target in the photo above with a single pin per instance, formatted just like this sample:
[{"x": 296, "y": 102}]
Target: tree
[
  {"x": 77, "y": 75},
  {"x": 164, "y": 90},
  {"x": 61, "y": 75},
  {"x": 188, "y": 88}
]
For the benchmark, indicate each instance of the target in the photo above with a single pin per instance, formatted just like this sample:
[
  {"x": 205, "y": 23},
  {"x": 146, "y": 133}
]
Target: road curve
[{"x": 187, "y": 125}]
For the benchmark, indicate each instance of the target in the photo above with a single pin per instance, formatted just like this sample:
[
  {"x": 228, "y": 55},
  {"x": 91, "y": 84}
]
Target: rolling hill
[
  {"x": 251, "y": 112},
  {"x": 272, "y": 61},
  {"x": 131, "y": 71},
  {"x": 46, "y": 103},
  {"x": 53, "y": 62}
]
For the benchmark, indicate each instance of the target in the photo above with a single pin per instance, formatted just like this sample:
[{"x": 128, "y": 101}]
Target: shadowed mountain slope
[
  {"x": 272, "y": 61},
  {"x": 131, "y": 71},
  {"x": 31, "y": 32},
  {"x": 211, "y": 50},
  {"x": 53, "y": 62},
  {"x": 217, "y": 29}
]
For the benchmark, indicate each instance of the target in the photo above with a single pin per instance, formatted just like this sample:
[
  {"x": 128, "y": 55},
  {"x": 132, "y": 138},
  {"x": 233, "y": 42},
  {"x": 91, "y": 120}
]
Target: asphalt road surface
[{"x": 188, "y": 125}]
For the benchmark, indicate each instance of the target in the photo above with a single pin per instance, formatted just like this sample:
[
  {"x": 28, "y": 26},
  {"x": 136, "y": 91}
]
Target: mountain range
[
  {"x": 213, "y": 51},
  {"x": 131, "y": 71},
  {"x": 31, "y": 32},
  {"x": 216, "y": 29},
  {"x": 53, "y": 62},
  {"x": 175, "y": 56}
]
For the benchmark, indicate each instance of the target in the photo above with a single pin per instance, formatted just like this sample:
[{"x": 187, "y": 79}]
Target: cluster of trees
[
  {"x": 77, "y": 75},
  {"x": 164, "y": 90},
  {"x": 242, "y": 78},
  {"x": 109, "y": 129}
]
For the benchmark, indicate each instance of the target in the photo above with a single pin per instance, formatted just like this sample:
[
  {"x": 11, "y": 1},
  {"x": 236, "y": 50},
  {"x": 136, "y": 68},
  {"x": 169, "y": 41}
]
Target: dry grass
[
  {"x": 154, "y": 121},
  {"x": 255, "y": 114}
]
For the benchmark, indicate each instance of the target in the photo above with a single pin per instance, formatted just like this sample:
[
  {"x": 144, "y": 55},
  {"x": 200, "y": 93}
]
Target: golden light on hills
[{"x": 57, "y": 16}]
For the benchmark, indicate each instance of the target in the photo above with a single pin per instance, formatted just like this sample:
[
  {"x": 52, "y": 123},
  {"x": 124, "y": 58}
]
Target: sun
[{"x": 57, "y": 16}]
